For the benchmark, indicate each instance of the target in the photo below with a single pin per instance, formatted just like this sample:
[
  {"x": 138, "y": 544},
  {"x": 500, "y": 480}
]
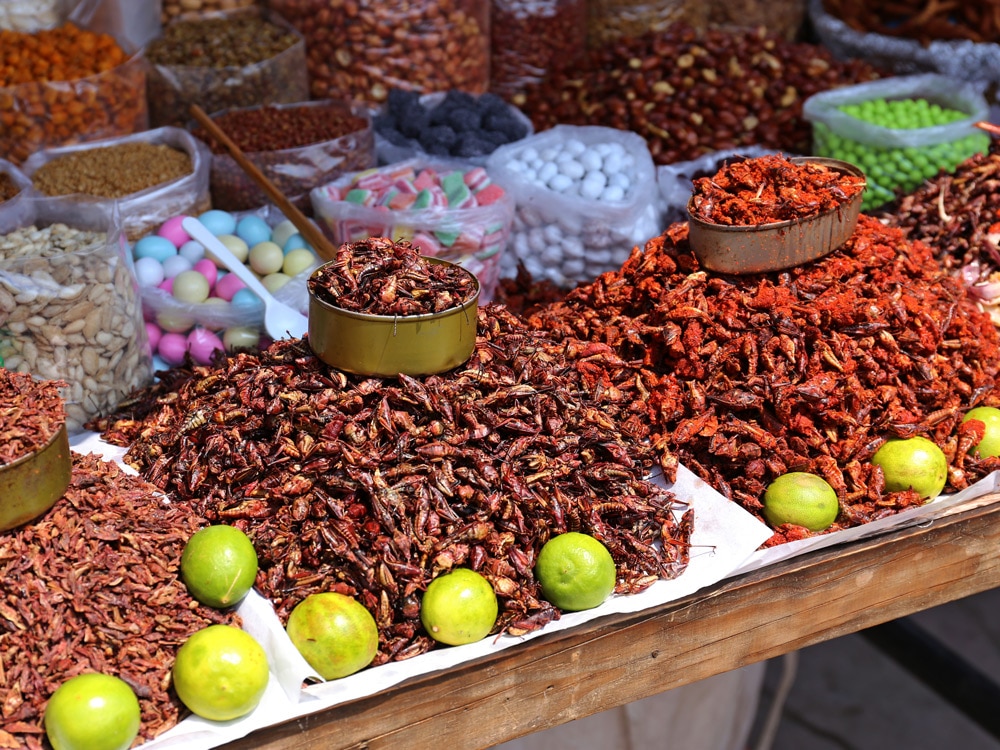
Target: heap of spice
[
  {"x": 31, "y": 413},
  {"x": 769, "y": 189},
  {"x": 809, "y": 369},
  {"x": 234, "y": 41},
  {"x": 372, "y": 487},
  {"x": 93, "y": 586},
  {"x": 381, "y": 277},
  {"x": 112, "y": 171}
]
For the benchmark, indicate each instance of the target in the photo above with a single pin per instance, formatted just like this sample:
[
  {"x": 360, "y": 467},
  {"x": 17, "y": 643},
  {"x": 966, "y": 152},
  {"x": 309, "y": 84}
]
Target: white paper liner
[{"x": 724, "y": 536}]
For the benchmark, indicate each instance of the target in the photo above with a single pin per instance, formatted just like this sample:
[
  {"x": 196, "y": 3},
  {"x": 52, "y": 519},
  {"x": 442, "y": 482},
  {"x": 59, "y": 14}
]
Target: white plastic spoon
[{"x": 280, "y": 320}]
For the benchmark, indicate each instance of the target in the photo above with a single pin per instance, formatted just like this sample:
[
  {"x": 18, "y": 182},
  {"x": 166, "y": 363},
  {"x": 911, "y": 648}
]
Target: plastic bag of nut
[
  {"x": 447, "y": 209},
  {"x": 585, "y": 196},
  {"x": 173, "y": 9},
  {"x": 48, "y": 111},
  {"x": 15, "y": 206},
  {"x": 530, "y": 38},
  {"x": 32, "y": 15},
  {"x": 243, "y": 58},
  {"x": 70, "y": 308},
  {"x": 676, "y": 181},
  {"x": 361, "y": 49},
  {"x": 609, "y": 20},
  {"x": 297, "y": 146},
  {"x": 108, "y": 170}
]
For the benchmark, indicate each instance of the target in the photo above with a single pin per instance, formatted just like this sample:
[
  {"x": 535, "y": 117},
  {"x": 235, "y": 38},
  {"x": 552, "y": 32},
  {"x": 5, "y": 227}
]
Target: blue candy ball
[
  {"x": 218, "y": 222},
  {"x": 253, "y": 230},
  {"x": 154, "y": 246},
  {"x": 246, "y": 298},
  {"x": 294, "y": 242}
]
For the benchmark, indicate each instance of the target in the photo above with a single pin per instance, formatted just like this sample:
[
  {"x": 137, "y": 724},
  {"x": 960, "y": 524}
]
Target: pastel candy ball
[
  {"x": 228, "y": 285},
  {"x": 153, "y": 335},
  {"x": 294, "y": 242},
  {"x": 202, "y": 343},
  {"x": 253, "y": 230},
  {"x": 266, "y": 257},
  {"x": 172, "y": 348},
  {"x": 274, "y": 281},
  {"x": 297, "y": 261},
  {"x": 209, "y": 270},
  {"x": 174, "y": 265},
  {"x": 192, "y": 250},
  {"x": 282, "y": 231},
  {"x": 246, "y": 298},
  {"x": 191, "y": 287},
  {"x": 218, "y": 222},
  {"x": 172, "y": 230},
  {"x": 240, "y": 337},
  {"x": 235, "y": 245},
  {"x": 167, "y": 285},
  {"x": 174, "y": 322},
  {"x": 154, "y": 246},
  {"x": 149, "y": 271}
]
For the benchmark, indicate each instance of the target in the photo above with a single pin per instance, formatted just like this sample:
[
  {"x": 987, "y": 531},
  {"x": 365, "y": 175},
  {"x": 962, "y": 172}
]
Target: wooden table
[{"x": 621, "y": 658}]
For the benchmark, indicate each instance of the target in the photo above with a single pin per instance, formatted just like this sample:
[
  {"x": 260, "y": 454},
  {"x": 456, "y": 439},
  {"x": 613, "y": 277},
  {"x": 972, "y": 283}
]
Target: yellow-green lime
[
  {"x": 219, "y": 565},
  {"x": 220, "y": 672},
  {"x": 334, "y": 633},
  {"x": 912, "y": 463},
  {"x": 92, "y": 711},
  {"x": 989, "y": 446},
  {"x": 801, "y": 498},
  {"x": 576, "y": 571},
  {"x": 459, "y": 607}
]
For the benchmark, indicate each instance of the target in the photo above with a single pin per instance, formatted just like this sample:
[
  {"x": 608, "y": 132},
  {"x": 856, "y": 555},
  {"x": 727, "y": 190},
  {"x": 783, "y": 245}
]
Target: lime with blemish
[
  {"x": 803, "y": 499},
  {"x": 914, "y": 463}
]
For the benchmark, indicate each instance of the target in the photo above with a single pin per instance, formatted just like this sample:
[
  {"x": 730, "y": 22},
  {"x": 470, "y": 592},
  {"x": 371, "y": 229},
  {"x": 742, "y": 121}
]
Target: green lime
[
  {"x": 989, "y": 446},
  {"x": 912, "y": 463},
  {"x": 803, "y": 499},
  {"x": 219, "y": 565},
  {"x": 220, "y": 672},
  {"x": 459, "y": 607},
  {"x": 92, "y": 711},
  {"x": 334, "y": 633},
  {"x": 575, "y": 571}
]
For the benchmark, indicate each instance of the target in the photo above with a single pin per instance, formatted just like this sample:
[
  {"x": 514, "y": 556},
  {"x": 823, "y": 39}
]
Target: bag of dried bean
[
  {"x": 152, "y": 175},
  {"x": 70, "y": 307},
  {"x": 448, "y": 209},
  {"x": 15, "y": 187},
  {"x": 584, "y": 195}
]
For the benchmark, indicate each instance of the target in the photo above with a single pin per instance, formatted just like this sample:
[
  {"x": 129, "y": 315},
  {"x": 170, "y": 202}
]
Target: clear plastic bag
[
  {"x": 144, "y": 210},
  {"x": 70, "y": 307},
  {"x": 530, "y": 38},
  {"x": 32, "y": 15},
  {"x": 895, "y": 159},
  {"x": 475, "y": 237},
  {"x": 281, "y": 79},
  {"x": 295, "y": 171},
  {"x": 40, "y": 115},
  {"x": 15, "y": 211},
  {"x": 422, "y": 45},
  {"x": 131, "y": 23},
  {"x": 676, "y": 181},
  {"x": 610, "y": 20},
  {"x": 569, "y": 238}
]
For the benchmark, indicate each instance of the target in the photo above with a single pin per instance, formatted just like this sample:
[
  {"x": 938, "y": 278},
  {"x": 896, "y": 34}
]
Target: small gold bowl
[
  {"x": 388, "y": 345},
  {"x": 761, "y": 248},
  {"x": 30, "y": 485}
]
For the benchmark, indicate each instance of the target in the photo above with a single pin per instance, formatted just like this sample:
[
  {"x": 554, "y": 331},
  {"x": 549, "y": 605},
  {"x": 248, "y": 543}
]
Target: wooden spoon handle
[{"x": 306, "y": 228}]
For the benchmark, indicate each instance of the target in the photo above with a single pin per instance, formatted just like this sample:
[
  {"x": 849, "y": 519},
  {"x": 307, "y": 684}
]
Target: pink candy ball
[
  {"x": 202, "y": 343},
  {"x": 154, "y": 334},
  {"x": 228, "y": 285},
  {"x": 172, "y": 347},
  {"x": 167, "y": 285},
  {"x": 207, "y": 269},
  {"x": 173, "y": 231}
]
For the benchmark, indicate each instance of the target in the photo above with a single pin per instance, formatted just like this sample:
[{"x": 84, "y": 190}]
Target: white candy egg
[{"x": 149, "y": 271}]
